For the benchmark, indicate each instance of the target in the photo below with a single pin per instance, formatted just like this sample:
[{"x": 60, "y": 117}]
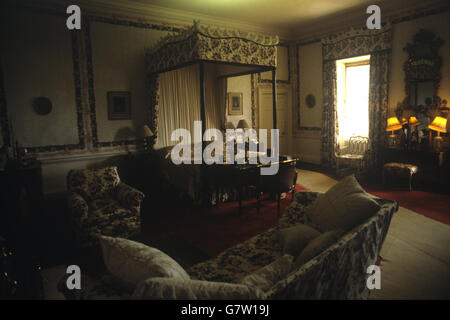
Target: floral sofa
[
  {"x": 336, "y": 273},
  {"x": 99, "y": 203}
]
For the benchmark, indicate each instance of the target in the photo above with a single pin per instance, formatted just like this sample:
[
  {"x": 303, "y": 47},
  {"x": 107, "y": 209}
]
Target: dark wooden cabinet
[
  {"x": 434, "y": 167},
  {"x": 21, "y": 216}
]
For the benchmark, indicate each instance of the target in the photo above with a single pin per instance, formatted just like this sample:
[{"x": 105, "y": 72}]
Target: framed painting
[
  {"x": 119, "y": 105},
  {"x": 235, "y": 105}
]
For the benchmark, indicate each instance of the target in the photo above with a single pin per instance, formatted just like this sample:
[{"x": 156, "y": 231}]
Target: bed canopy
[{"x": 218, "y": 51}]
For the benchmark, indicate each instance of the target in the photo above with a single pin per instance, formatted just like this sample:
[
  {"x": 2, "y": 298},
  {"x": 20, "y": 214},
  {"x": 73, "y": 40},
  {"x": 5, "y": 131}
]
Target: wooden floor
[{"x": 416, "y": 251}]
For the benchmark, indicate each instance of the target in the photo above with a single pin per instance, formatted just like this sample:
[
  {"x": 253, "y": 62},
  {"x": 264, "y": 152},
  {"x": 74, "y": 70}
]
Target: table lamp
[
  {"x": 229, "y": 125},
  {"x": 413, "y": 121},
  {"x": 242, "y": 124},
  {"x": 392, "y": 125},
  {"x": 439, "y": 125},
  {"x": 146, "y": 135}
]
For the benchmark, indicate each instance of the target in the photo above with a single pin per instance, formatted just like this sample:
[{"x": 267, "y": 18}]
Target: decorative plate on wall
[
  {"x": 42, "y": 105},
  {"x": 310, "y": 100}
]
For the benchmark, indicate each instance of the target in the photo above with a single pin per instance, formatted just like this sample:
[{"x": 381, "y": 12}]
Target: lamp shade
[
  {"x": 404, "y": 121},
  {"x": 242, "y": 124},
  {"x": 439, "y": 124},
  {"x": 229, "y": 125},
  {"x": 413, "y": 121},
  {"x": 393, "y": 124},
  {"x": 146, "y": 132}
]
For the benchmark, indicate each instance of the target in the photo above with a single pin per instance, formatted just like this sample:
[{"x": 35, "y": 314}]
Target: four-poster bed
[{"x": 216, "y": 51}]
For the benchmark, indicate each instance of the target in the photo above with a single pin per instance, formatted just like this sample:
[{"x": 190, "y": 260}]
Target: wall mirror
[{"x": 422, "y": 73}]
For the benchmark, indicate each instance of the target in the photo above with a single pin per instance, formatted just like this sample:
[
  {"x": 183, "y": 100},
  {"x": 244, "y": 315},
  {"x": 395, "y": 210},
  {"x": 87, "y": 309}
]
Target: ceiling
[{"x": 291, "y": 19}]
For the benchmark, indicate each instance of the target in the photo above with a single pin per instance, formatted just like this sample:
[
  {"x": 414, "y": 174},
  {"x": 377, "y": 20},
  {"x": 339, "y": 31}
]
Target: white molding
[{"x": 79, "y": 157}]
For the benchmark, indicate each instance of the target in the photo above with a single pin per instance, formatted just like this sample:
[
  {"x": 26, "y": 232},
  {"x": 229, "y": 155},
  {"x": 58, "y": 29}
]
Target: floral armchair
[{"x": 99, "y": 203}]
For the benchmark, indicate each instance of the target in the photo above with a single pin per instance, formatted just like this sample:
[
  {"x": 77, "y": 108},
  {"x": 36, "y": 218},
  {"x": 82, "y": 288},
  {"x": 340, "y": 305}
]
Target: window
[{"x": 353, "y": 97}]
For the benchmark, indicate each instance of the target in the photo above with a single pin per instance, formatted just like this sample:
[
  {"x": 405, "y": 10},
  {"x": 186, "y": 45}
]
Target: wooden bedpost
[
  {"x": 202, "y": 101},
  {"x": 274, "y": 97}
]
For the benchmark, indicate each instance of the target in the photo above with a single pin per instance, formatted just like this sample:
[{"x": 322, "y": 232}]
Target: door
[{"x": 283, "y": 119}]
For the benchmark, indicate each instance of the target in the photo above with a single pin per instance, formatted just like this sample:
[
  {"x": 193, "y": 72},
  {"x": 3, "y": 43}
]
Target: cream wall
[
  {"x": 241, "y": 84},
  {"x": 118, "y": 58},
  {"x": 310, "y": 76},
  {"x": 307, "y": 140},
  {"x": 37, "y": 61}
]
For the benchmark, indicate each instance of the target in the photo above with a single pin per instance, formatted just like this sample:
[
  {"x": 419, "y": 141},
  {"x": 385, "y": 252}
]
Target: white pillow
[
  {"x": 170, "y": 288},
  {"x": 131, "y": 261},
  {"x": 265, "y": 277}
]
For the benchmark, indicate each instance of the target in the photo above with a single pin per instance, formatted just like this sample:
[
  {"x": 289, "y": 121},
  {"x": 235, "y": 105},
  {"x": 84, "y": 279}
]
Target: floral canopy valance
[
  {"x": 357, "y": 41},
  {"x": 213, "y": 44}
]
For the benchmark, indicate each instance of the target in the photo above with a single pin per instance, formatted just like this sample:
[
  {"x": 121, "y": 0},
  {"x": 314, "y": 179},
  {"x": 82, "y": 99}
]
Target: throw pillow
[
  {"x": 132, "y": 262},
  {"x": 265, "y": 277},
  {"x": 170, "y": 288},
  {"x": 317, "y": 245},
  {"x": 294, "y": 239},
  {"x": 344, "y": 206}
]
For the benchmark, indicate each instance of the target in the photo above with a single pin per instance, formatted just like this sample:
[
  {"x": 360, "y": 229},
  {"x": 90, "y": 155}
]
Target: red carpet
[
  {"x": 432, "y": 205},
  {"x": 217, "y": 228}
]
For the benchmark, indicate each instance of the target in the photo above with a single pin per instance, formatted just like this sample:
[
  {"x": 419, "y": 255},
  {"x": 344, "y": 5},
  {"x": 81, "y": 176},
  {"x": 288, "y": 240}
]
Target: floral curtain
[
  {"x": 330, "y": 130},
  {"x": 378, "y": 104},
  {"x": 356, "y": 42}
]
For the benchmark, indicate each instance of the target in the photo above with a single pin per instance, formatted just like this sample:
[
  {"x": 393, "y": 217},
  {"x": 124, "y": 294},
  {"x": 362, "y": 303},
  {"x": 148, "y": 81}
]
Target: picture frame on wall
[
  {"x": 119, "y": 105},
  {"x": 235, "y": 104}
]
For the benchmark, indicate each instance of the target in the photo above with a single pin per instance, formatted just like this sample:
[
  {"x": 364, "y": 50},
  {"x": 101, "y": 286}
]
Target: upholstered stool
[{"x": 400, "y": 169}]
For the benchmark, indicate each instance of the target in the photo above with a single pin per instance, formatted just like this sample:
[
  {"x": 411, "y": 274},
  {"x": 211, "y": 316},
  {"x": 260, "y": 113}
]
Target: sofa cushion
[
  {"x": 317, "y": 245},
  {"x": 236, "y": 262},
  {"x": 294, "y": 239},
  {"x": 344, "y": 206},
  {"x": 265, "y": 277},
  {"x": 133, "y": 262},
  {"x": 170, "y": 288}
]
